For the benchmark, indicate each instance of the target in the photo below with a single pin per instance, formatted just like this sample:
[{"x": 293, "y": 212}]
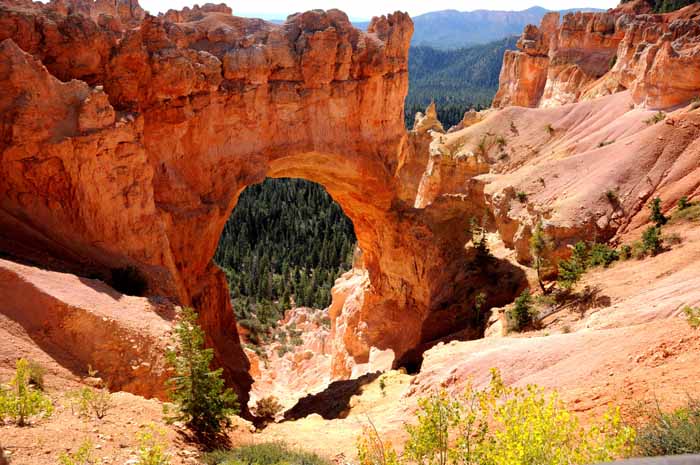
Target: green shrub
[
  {"x": 652, "y": 243},
  {"x": 371, "y": 449},
  {"x": 129, "y": 280},
  {"x": 690, "y": 213},
  {"x": 503, "y": 425},
  {"x": 612, "y": 196},
  {"x": 83, "y": 456},
  {"x": 522, "y": 196},
  {"x": 692, "y": 314},
  {"x": 267, "y": 408},
  {"x": 571, "y": 270},
  {"x": 523, "y": 312},
  {"x": 36, "y": 374},
  {"x": 271, "y": 453},
  {"x": 625, "y": 252},
  {"x": 656, "y": 118},
  {"x": 540, "y": 246},
  {"x": 152, "y": 447},
  {"x": 683, "y": 203},
  {"x": 657, "y": 217},
  {"x": 201, "y": 398},
  {"x": 87, "y": 401},
  {"x": 22, "y": 401},
  {"x": 602, "y": 255},
  {"x": 672, "y": 433}
]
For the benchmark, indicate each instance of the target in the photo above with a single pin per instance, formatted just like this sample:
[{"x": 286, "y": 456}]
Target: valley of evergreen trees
[
  {"x": 456, "y": 80},
  {"x": 285, "y": 243}
]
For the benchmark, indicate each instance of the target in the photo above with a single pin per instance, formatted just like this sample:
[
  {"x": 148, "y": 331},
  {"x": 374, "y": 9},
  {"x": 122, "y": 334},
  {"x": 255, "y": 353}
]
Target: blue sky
[{"x": 365, "y": 9}]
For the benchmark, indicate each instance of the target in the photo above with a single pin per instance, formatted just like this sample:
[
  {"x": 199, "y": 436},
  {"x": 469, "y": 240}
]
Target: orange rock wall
[
  {"x": 130, "y": 146},
  {"x": 588, "y": 55}
]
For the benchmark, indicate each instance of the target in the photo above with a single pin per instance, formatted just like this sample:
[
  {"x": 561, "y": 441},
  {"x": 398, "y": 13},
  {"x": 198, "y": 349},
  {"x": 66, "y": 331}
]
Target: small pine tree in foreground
[{"x": 199, "y": 393}]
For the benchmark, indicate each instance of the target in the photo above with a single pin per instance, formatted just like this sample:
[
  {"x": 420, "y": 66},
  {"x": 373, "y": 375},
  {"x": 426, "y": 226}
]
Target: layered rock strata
[{"x": 588, "y": 55}]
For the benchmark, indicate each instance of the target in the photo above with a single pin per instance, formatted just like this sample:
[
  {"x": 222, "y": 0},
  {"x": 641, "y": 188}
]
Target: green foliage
[
  {"x": 673, "y": 433},
  {"x": 456, "y": 80},
  {"x": 36, "y": 374},
  {"x": 602, "y": 255},
  {"x": 523, "y": 312},
  {"x": 152, "y": 447},
  {"x": 382, "y": 385},
  {"x": 129, "y": 280},
  {"x": 692, "y": 315},
  {"x": 371, "y": 449},
  {"x": 690, "y": 213},
  {"x": 429, "y": 441},
  {"x": 666, "y": 6},
  {"x": 201, "y": 398},
  {"x": 612, "y": 197},
  {"x": 652, "y": 243},
  {"x": 503, "y": 425},
  {"x": 521, "y": 196},
  {"x": 657, "y": 217},
  {"x": 683, "y": 203},
  {"x": 83, "y": 456},
  {"x": 87, "y": 401},
  {"x": 22, "y": 401},
  {"x": 482, "y": 256},
  {"x": 270, "y": 453},
  {"x": 285, "y": 243},
  {"x": 625, "y": 252},
  {"x": 656, "y": 118},
  {"x": 571, "y": 270},
  {"x": 540, "y": 245},
  {"x": 267, "y": 408}
]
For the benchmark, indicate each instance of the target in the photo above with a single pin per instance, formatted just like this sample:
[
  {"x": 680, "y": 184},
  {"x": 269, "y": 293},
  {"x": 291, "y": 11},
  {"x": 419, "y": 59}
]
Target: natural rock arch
[{"x": 141, "y": 161}]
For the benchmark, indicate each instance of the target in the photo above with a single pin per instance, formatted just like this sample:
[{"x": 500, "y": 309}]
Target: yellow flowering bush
[{"x": 502, "y": 425}]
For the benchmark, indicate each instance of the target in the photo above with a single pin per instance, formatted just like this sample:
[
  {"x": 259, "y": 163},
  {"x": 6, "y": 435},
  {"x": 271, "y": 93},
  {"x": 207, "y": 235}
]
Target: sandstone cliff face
[
  {"x": 130, "y": 146},
  {"x": 589, "y": 55}
]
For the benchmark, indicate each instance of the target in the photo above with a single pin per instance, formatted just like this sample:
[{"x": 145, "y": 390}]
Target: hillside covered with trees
[
  {"x": 456, "y": 80},
  {"x": 285, "y": 244}
]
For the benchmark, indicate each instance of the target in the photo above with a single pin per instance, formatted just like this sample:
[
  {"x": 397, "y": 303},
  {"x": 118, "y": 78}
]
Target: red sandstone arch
[{"x": 141, "y": 160}]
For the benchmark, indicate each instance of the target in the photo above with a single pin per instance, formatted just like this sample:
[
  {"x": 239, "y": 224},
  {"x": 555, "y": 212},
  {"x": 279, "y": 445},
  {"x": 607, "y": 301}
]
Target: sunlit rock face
[
  {"x": 127, "y": 139},
  {"x": 588, "y": 55}
]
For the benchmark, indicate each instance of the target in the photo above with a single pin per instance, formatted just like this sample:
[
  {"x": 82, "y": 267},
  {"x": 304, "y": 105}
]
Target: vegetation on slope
[
  {"x": 500, "y": 425},
  {"x": 666, "y": 6},
  {"x": 456, "y": 80},
  {"x": 285, "y": 244}
]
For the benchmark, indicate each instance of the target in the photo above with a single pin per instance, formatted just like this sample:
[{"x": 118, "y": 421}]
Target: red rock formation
[
  {"x": 138, "y": 157},
  {"x": 590, "y": 55}
]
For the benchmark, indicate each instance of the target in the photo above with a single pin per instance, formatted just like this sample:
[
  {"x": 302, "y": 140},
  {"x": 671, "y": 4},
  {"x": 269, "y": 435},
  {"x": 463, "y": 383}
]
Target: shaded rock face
[
  {"x": 589, "y": 55},
  {"x": 130, "y": 146}
]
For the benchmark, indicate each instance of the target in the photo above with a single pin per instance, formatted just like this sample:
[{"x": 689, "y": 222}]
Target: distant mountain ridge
[{"x": 449, "y": 29}]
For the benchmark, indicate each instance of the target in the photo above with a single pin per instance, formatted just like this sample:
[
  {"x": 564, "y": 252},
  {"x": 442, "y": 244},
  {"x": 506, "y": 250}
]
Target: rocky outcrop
[
  {"x": 135, "y": 153},
  {"x": 589, "y": 55},
  {"x": 85, "y": 325}
]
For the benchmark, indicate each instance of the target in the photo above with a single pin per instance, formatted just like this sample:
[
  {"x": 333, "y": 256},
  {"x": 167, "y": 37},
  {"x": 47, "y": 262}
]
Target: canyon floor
[{"x": 629, "y": 343}]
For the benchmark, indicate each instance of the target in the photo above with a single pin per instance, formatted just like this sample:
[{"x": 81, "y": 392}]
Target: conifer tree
[{"x": 201, "y": 398}]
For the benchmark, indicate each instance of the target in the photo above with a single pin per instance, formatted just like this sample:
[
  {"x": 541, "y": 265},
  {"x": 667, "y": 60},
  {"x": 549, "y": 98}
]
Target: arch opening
[{"x": 283, "y": 247}]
